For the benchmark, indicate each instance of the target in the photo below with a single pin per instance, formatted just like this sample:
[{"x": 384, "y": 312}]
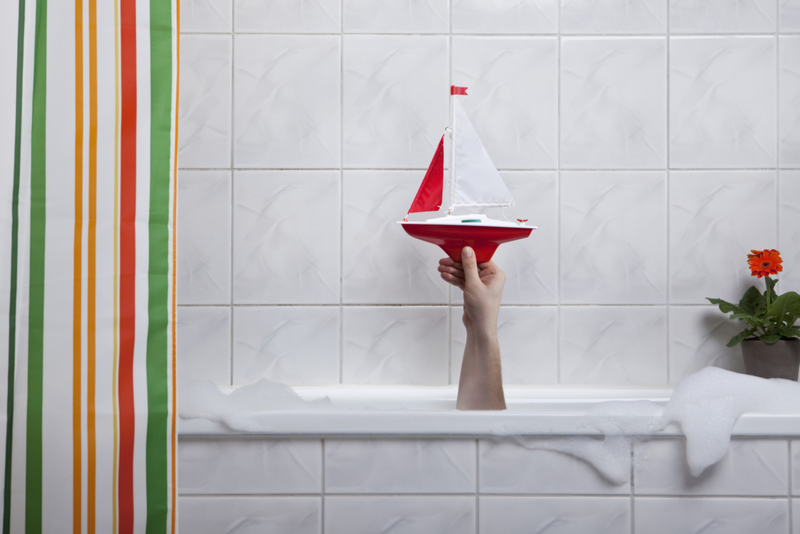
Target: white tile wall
[
  {"x": 556, "y": 515},
  {"x": 711, "y": 516},
  {"x": 400, "y": 515},
  {"x": 250, "y": 515},
  {"x": 634, "y": 133}
]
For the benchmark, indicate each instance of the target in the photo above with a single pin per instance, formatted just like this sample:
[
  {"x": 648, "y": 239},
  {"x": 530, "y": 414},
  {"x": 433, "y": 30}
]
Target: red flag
[
  {"x": 429, "y": 196},
  {"x": 458, "y": 90}
]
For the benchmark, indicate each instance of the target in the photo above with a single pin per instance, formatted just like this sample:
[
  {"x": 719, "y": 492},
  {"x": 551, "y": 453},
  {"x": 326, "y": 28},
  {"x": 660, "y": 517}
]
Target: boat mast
[{"x": 452, "y": 150}]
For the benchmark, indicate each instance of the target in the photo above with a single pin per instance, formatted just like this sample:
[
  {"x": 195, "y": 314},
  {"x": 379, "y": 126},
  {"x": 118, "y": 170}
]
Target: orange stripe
[
  {"x": 77, "y": 470},
  {"x": 175, "y": 259},
  {"x": 115, "y": 326},
  {"x": 92, "y": 281}
]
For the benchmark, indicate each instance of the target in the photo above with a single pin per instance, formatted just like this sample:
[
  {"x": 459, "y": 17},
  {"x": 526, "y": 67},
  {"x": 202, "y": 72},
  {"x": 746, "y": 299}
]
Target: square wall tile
[
  {"x": 250, "y": 515},
  {"x": 795, "y": 467},
  {"x": 530, "y": 264},
  {"x": 722, "y": 102},
  {"x": 381, "y": 263},
  {"x": 204, "y": 347},
  {"x": 698, "y": 336},
  {"x": 614, "y": 237},
  {"x": 613, "y": 103},
  {"x": 206, "y": 16},
  {"x": 205, "y": 102},
  {"x": 790, "y": 100},
  {"x": 614, "y": 345},
  {"x": 509, "y": 16},
  {"x": 288, "y": 16},
  {"x": 751, "y": 467},
  {"x": 528, "y": 344},
  {"x": 396, "y": 16},
  {"x": 789, "y": 230},
  {"x": 395, "y": 99},
  {"x": 790, "y": 15},
  {"x": 204, "y": 237},
  {"x": 711, "y": 516},
  {"x": 295, "y": 345},
  {"x": 400, "y": 515},
  {"x": 513, "y": 97},
  {"x": 286, "y": 237},
  {"x": 395, "y": 345},
  {"x": 613, "y": 16},
  {"x": 555, "y": 515},
  {"x": 530, "y": 465},
  {"x": 710, "y": 239},
  {"x": 286, "y": 101},
  {"x": 722, "y": 16},
  {"x": 243, "y": 466},
  {"x": 400, "y": 466}
]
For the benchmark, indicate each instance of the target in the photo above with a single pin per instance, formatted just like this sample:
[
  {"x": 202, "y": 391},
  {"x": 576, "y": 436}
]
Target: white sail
[{"x": 477, "y": 182}]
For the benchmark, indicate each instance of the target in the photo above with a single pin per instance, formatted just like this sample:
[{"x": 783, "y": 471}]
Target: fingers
[
  {"x": 470, "y": 266},
  {"x": 450, "y": 279},
  {"x": 455, "y": 271}
]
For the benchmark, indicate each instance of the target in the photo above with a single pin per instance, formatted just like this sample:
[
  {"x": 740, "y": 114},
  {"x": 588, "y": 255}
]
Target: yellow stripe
[
  {"x": 115, "y": 326},
  {"x": 92, "y": 279},
  {"x": 77, "y": 471}
]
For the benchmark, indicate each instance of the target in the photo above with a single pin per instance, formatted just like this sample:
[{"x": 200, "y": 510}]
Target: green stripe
[
  {"x": 33, "y": 442},
  {"x": 161, "y": 111},
  {"x": 12, "y": 299}
]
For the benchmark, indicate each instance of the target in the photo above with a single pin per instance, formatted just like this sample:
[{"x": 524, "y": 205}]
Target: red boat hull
[{"x": 484, "y": 240}]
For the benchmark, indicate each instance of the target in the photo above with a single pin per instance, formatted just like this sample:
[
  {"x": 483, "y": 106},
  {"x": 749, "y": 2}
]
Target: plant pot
[{"x": 779, "y": 360}]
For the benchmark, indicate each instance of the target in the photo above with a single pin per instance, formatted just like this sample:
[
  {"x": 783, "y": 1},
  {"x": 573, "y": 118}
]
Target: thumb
[{"x": 470, "y": 265}]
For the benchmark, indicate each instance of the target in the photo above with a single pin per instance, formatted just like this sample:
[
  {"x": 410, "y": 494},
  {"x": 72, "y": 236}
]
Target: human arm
[{"x": 481, "y": 383}]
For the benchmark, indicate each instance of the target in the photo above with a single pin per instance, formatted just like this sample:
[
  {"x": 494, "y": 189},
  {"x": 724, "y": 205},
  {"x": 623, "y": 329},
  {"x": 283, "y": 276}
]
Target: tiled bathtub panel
[
  {"x": 722, "y": 16},
  {"x": 789, "y": 230},
  {"x": 204, "y": 237},
  {"x": 205, "y": 102},
  {"x": 400, "y": 515},
  {"x": 789, "y": 102},
  {"x": 795, "y": 467},
  {"x": 250, "y": 515},
  {"x": 698, "y": 336},
  {"x": 396, "y": 16},
  {"x": 710, "y": 516},
  {"x": 555, "y": 515},
  {"x": 395, "y": 345},
  {"x": 529, "y": 465},
  {"x": 709, "y": 237},
  {"x": 613, "y": 345},
  {"x": 204, "y": 347},
  {"x": 288, "y": 16},
  {"x": 528, "y": 344},
  {"x": 722, "y": 102},
  {"x": 613, "y": 237},
  {"x": 400, "y": 466},
  {"x": 287, "y": 101},
  {"x": 751, "y": 467},
  {"x": 206, "y": 16},
  {"x": 530, "y": 266},
  {"x": 511, "y": 16},
  {"x": 249, "y": 466},
  {"x": 513, "y": 97},
  {"x": 290, "y": 344},
  {"x": 613, "y": 16},
  {"x": 613, "y": 103},
  {"x": 395, "y": 99},
  {"x": 381, "y": 263},
  {"x": 286, "y": 237}
]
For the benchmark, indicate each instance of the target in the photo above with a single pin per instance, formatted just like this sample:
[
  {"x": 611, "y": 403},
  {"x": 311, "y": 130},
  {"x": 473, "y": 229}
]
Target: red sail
[{"x": 429, "y": 196}]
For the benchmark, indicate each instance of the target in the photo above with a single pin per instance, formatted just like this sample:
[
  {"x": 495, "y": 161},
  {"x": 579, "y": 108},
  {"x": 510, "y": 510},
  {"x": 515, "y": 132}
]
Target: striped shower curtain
[{"x": 88, "y": 132}]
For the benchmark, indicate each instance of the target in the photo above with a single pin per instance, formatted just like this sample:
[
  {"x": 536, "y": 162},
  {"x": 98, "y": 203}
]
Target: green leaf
[
  {"x": 786, "y": 304},
  {"x": 770, "y": 339},
  {"x": 771, "y": 286},
  {"x": 750, "y": 300},
  {"x": 725, "y": 307},
  {"x": 735, "y": 340},
  {"x": 789, "y": 331}
]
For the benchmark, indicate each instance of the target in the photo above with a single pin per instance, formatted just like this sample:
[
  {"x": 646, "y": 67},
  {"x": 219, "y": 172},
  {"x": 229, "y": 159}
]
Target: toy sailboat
[{"x": 473, "y": 182}]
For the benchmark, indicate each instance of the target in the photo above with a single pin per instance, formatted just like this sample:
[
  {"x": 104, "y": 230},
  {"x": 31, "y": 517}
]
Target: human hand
[{"x": 482, "y": 285}]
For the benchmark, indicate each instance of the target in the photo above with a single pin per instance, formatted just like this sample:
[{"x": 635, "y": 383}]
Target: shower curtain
[{"x": 88, "y": 135}]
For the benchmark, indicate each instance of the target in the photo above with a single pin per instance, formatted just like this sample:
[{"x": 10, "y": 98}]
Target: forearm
[{"x": 481, "y": 384}]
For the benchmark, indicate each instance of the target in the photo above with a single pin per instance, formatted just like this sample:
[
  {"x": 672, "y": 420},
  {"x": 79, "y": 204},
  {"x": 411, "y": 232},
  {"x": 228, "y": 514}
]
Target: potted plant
[{"x": 770, "y": 344}]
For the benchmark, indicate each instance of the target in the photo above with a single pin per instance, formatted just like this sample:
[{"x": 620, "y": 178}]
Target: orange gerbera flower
[{"x": 765, "y": 262}]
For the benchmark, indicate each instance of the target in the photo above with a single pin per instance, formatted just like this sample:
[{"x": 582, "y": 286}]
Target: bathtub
[{"x": 386, "y": 411}]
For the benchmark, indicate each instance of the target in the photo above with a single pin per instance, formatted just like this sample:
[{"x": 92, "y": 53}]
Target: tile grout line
[
  {"x": 449, "y": 287},
  {"x": 667, "y": 202},
  {"x": 477, "y": 485},
  {"x": 558, "y": 197},
  {"x": 341, "y": 191},
  {"x": 231, "y": 307},
  {"x": 322, "y": 489},
  {"x": 584, "y": 36},
  {"x": 778, "y": 127},
  {"x": 789, "y": 484},
  {"x": 542, "y": 170},
  {"x": 633, "y": 502}
]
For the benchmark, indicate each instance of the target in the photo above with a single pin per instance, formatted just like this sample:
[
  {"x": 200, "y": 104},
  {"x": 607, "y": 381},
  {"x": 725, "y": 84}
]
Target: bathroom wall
[{"x": 653, "y": 142}]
